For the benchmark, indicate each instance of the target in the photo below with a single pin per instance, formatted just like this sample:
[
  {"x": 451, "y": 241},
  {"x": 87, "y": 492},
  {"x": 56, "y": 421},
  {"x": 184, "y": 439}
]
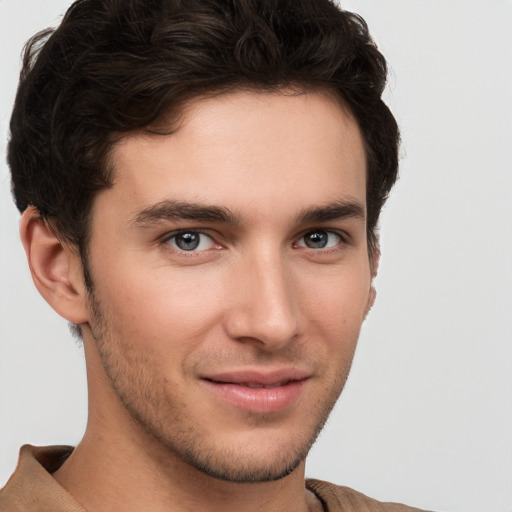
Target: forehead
[{"x": 245, "y": 148}]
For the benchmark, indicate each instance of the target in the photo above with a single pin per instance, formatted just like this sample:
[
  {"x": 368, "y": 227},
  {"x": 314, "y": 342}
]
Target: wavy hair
[{"x": 114, "y": 66}]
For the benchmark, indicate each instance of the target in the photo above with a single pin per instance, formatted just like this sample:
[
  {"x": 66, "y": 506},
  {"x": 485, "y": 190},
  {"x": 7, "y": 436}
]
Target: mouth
[
  {"x": 262, "y": 386},
  {"x": 253, "y": 385},
  {"x": 258, "y": 392}
]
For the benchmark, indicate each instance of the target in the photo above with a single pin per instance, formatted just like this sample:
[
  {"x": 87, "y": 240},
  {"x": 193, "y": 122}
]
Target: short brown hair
[{"x": 114, "y": 66}]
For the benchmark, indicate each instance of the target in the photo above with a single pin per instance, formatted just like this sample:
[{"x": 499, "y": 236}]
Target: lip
[{"x": 256, "y": 391}]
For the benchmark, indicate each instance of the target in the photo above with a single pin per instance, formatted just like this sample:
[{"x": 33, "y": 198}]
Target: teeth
[{"x": 259, "y": 386}]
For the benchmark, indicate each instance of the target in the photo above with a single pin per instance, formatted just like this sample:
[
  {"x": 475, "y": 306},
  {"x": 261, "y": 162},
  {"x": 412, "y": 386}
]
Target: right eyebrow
[{"x": 169, "y": 210}]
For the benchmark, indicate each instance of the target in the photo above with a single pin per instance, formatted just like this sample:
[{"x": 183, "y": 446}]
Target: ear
[
  {"x": 55, "y": 266},
  {"x": 374, "y": 268}
]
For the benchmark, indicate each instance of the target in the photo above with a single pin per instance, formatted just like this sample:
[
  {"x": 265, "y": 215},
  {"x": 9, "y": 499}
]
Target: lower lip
[{"x": 258, "y": 400}]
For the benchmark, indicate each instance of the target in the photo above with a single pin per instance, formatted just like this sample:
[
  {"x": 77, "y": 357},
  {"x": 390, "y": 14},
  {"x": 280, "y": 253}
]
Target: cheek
[
  {"x": 161, "y": 304},
  {"x": 337, "y": 305}
]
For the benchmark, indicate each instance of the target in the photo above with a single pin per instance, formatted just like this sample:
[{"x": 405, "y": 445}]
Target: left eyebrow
[
  {"x": 334, "y": 211},
  {"x": 169, "y": 210}
]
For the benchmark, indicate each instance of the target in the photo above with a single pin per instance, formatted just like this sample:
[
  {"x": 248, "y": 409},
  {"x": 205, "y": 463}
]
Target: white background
[{"x": 426, "y": 417}]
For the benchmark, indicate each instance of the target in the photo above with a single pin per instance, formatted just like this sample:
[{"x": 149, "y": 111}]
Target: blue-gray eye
[
  {"x": 319, "y": 239},
  {"x": 190, "y": 241}
]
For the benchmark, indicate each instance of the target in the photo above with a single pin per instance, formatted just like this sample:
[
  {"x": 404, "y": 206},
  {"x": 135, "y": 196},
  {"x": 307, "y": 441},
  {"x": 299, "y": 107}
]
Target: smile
[
  {"x": 258, "y": 392},
  {"x": 259, "y": 386}
]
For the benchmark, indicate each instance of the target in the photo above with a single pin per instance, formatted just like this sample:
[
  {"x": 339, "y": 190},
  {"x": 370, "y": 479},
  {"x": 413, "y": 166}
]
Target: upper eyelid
[
  {"x": 163, "y": 241},
  {"x": 171, "y": 234},
  {"x": 343, "y": 234}
]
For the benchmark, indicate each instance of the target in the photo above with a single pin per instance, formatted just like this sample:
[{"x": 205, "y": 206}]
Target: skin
[{"x": 257, "y": 295}]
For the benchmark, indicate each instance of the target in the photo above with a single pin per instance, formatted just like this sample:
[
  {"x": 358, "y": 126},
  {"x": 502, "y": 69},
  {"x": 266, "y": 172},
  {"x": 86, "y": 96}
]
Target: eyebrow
[
  {"x": 169, "y": 210},
  {"x": 334, "y": 211}
]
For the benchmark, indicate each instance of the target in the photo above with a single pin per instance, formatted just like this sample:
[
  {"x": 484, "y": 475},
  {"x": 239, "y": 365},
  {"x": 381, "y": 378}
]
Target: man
[{"x": 200, "y": 184}]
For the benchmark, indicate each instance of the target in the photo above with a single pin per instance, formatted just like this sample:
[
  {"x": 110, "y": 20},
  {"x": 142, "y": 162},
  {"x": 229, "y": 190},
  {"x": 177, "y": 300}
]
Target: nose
[{"x": 263, "y": 307}]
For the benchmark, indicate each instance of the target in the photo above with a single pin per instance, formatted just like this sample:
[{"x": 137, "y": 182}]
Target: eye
[
  {"x": 319, "y": 239},
  {"x": 189, "y": 241}
]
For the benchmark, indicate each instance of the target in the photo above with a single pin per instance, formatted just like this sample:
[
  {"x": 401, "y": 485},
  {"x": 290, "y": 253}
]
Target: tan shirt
[{"x": 32, "y": 488}]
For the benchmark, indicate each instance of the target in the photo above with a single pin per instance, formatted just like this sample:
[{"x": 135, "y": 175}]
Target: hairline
[{"x": 171, "y": 118}]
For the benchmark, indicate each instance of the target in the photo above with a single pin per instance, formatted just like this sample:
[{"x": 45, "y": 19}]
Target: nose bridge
[{"x": 264, "y": 307}]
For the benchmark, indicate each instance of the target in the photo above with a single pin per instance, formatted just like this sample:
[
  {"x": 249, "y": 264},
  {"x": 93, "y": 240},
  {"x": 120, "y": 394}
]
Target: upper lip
[{"x": 250, "y": 377}]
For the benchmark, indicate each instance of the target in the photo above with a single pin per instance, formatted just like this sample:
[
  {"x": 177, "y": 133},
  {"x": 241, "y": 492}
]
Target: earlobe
[{"x": 55, "y": 267}]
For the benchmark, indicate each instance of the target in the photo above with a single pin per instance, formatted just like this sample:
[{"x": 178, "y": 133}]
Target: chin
[
  {"x": 242, "y": 468},
  {"x": 265, "y": 455}
]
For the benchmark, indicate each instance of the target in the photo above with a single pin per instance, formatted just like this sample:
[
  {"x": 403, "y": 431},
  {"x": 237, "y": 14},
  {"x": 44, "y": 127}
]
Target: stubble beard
[{"x": 165, "y": 420}]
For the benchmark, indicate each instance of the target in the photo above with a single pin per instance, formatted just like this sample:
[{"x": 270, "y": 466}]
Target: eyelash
[
  {"x": 172, "y": 236},
  {"x": 341, "y": 240}
]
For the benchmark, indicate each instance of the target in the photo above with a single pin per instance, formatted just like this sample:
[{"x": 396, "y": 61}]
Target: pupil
[
  {"x": 317, "y": 239},
  {"x": 187, "y": 241}
]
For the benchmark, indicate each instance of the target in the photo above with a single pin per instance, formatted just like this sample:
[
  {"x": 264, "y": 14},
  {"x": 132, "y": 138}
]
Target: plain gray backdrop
[{"x": 426, "y": 417}]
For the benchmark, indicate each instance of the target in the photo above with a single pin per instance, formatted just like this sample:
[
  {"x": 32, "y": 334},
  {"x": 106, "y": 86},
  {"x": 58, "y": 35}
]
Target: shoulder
[
  {"x": 337, "y": 498},
  {"x": 32, "y": 488}
]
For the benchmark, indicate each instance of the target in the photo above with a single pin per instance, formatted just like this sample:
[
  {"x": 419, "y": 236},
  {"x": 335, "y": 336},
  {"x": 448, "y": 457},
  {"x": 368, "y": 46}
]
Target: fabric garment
[{"x": 33, "y": 489}]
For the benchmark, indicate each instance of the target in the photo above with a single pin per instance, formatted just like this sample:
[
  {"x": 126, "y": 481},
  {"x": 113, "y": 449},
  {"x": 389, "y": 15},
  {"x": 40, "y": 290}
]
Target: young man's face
[{"x": 231, "y": 277}]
